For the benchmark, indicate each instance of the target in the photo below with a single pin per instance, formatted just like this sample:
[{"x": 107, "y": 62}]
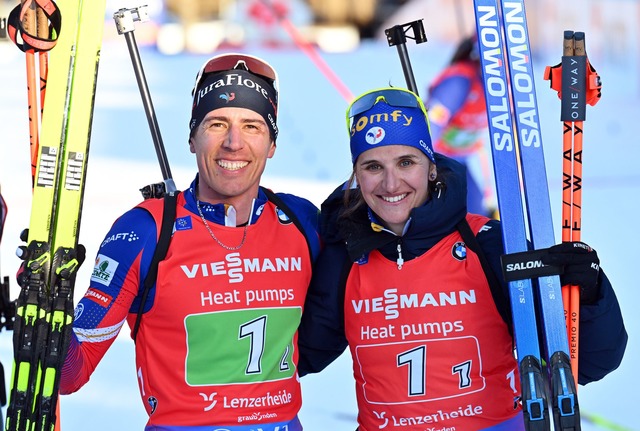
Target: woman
[{"x": 430, "y": 339}]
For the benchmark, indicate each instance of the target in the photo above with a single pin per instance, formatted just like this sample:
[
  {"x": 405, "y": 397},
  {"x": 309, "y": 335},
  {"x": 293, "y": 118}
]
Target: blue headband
[{"x": 390, "y": 125}]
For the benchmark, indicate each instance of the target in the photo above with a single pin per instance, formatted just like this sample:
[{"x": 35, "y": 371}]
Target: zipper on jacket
[{"x": 399, "y": 260}]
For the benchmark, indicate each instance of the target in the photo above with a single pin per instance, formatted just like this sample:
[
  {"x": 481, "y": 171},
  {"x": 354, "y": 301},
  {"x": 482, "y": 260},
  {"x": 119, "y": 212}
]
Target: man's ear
[
  {"x": 192, "y": 147},
  {"x": 272, "y": 149}
]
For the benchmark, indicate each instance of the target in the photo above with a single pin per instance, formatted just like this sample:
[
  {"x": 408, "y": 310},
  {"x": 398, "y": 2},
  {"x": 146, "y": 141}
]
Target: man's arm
[{"x": 114, "y": 284}]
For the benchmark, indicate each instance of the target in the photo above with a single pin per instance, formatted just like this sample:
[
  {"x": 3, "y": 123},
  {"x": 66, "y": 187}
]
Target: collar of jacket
[{"x": 216, "y": 212}]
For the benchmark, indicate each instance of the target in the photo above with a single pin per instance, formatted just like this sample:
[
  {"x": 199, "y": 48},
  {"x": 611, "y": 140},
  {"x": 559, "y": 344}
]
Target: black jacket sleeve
[
  {"x": 603, "y": 338},
  {"x": 321, "y": 336}
]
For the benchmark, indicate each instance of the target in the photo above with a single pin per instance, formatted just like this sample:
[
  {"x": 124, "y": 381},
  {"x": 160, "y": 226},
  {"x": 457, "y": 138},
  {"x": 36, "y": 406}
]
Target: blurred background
[
  {"x": 325, "y": 52},
  {"x": 202, "y": 26}
]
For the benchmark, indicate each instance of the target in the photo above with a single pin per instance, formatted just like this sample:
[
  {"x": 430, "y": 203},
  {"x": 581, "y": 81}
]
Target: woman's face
[{"x": 393, "y": 180}]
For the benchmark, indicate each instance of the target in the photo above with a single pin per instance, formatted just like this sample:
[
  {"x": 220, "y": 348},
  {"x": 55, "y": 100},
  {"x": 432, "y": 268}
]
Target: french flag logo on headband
[{"x": 375, "y": 135}]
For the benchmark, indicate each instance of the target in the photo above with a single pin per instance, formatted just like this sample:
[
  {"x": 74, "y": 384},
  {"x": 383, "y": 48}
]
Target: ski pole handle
[
  {"x": 574, "y": 78},
  {"x": 397, "y": 36},
  {"x": 125, "y": 19}
]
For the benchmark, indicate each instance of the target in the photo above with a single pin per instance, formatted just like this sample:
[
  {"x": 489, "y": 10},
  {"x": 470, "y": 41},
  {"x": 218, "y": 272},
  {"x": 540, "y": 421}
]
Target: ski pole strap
[
  {"x": 575, "y": 71},
  {"x": 527, "y": 264},
  {"x": 16, "y": 28},
  {"x": 166, "y": 229},
  {"x": 497, "y": 293}
]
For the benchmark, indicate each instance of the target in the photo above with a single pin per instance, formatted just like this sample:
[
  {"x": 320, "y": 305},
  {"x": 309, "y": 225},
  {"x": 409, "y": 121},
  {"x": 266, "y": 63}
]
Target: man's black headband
[{"x": 235, "y": 88}]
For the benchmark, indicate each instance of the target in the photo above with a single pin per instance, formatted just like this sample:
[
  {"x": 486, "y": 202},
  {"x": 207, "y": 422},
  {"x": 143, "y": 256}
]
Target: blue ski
[
  {"x": 518, "y": 155},
  {"x": 563, "y": 392}
]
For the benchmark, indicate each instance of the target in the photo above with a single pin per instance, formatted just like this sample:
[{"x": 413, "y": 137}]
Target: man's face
[{"x": 232, "y": 146}]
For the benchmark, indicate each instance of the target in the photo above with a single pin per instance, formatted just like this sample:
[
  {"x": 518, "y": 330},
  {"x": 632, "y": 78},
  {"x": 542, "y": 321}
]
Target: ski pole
[
  {"x": 572, "y": 196},
  {"x": 29, "y": 24},
  {"x": 577, "y": 84},
  {"x": 576, "y": 203},
  {"x": 42, "y": 31},
  {"x": 34, "y": 26},
  {"x": 43, "y": 59},
  {"x": 397, "y": 36},
  {"x": 124, "y": 19},
  {"x": 34, "y": 21},
  {"x": 311, "y": 53}
]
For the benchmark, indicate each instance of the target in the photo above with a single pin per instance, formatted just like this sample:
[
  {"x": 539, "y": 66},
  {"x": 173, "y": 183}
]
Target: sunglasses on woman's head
[{"x": 391, "y": 96}]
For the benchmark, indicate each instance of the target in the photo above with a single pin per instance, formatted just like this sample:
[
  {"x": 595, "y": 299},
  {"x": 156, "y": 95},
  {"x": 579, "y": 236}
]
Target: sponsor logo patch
[
  {"x": 98, "y": 297},
  {"x": 104, "y": 269},
  {"x": 459, "y": 251},
  {"x": 282, "y": 217},
  {"x": 184, "y": 223},
  {"x": 375, "y": 135}
]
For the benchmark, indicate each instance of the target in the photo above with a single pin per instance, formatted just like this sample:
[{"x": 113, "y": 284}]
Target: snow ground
[{"x": 312, "y": 158}]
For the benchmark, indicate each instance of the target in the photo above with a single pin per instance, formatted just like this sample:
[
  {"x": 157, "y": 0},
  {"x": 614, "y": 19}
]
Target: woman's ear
[{"x": 433, "y": 172}]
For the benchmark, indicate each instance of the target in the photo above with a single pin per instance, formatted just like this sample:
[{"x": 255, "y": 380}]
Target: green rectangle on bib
[{"x": 240, "y": 346}]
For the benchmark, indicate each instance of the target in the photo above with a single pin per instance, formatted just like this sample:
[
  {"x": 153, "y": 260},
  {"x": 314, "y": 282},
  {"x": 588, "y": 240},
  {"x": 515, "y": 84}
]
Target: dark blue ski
[
  {"x": 518, "y": 158},
  {"x": 563, "y": 392}
]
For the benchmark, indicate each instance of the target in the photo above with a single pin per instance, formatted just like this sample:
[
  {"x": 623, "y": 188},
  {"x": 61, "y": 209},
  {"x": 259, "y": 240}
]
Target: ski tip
[{"x": 568, "y": 34}]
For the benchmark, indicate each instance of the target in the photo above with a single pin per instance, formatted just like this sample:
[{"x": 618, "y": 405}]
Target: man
[{"x": 216, "y": 344}]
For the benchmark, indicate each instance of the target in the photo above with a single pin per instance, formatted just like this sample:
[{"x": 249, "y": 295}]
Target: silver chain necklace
[{"x": 244, "y": 235}]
